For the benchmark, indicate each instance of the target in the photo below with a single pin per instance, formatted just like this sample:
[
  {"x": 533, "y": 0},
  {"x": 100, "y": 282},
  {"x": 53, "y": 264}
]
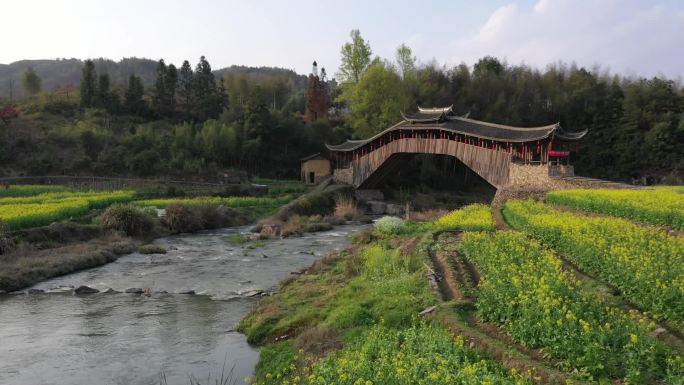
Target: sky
[{"x": 630, "y": 37}]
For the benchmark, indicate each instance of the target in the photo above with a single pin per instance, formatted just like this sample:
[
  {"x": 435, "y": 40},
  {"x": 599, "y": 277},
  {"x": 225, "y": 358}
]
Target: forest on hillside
[{"x": 195, "y": 122}]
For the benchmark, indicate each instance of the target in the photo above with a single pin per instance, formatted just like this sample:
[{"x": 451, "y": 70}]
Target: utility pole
[{"x": 11, "y": 84}]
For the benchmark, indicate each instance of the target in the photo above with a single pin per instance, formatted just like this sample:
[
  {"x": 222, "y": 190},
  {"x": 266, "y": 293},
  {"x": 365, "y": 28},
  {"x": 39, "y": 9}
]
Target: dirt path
[{"x": 448, "y": 285}]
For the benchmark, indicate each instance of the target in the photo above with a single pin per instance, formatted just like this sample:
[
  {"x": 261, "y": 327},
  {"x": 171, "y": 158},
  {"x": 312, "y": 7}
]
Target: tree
[
  {"x": 208, "y": 100},
  {"x": 134, "y": 103},
  {"x": 159, "y": 93},
  {"x": 105, "y": 98},
  {"x": 31, "y": 81},
  {"x": 171, "y": 83},
  {"x": 375, "y": 101},
  {"x": 87, "y": 87},
  {"x": 406, "y": 62},
  {"x": 185, "y": 83},
  {"x": 356, "y": 57}
]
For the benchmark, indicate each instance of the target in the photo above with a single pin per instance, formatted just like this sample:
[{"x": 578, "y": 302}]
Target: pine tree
[
  {"x": 207, "y": 100},
  {"x": 134, "y": 103},
  {"x": 185, "y": 84},
  {"x": 103, "y": 92},
  {"x": 159, "y": 93},
  {"x": 87, "y": 88},
  {"x": 170, "y": 85},
  {"x": 31, "y": 81}
]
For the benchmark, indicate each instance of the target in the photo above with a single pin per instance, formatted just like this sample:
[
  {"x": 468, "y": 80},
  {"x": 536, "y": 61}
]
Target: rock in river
[
  {"x": 85, "y": 290},
  {"x": 134, "y": 290},
  {"x": 252, "y": 293},
  {"x": 34, "y": 291}
]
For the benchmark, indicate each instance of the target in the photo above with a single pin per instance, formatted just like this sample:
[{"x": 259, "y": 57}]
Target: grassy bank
[
  {"x": 27, "y": 266},
  {"x": 353, "y": 317},
  {"x": 508, "y": 309},
  {"x": 46, "y": 231}
]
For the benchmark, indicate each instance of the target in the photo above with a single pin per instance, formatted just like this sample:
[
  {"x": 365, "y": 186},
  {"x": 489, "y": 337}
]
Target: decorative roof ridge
[
  {"x": 504, "y": 126},
  {"x": 312, "y": 156},
  {"x": 446, "y": 110},
  {"x": 415, "y": 119}
]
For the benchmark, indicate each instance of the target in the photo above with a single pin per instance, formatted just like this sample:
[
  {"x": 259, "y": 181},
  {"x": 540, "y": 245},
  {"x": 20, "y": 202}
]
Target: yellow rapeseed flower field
[
  {"x": 645, "y": 263},
  {"x": 43, "y": 209},
  {"x": 660, "y": 206},
  {"x": 525, "y": 290}
]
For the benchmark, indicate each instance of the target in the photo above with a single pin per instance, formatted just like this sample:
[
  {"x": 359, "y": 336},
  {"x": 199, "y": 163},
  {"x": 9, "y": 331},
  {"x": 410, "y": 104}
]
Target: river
[{"x": 58, "y": 338}]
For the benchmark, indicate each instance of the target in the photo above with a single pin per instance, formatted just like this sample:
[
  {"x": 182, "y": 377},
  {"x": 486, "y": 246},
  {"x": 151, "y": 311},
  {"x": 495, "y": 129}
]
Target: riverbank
[
  {"x": 30, "y": 253},
  {"x": 51, "y": 337},
  {"x": 359, "y": 315},
  {"x": 423, "y": 302},
  {"x": 36, "y": 254},
  {"x": 28, "y": 256}
]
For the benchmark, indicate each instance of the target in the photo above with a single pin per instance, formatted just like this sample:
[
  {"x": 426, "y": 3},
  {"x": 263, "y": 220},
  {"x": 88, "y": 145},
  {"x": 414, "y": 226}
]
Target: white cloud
[{"x": 626, "y": 36}]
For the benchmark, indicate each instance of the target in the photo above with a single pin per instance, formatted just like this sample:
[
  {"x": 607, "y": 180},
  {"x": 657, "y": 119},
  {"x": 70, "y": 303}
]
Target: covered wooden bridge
[{"x": 488, "y": 149}]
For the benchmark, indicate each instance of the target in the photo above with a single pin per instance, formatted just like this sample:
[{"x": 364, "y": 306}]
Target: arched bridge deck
[
  {"x": 486, "y": 148},
  {"x": 492, "y": 165}
]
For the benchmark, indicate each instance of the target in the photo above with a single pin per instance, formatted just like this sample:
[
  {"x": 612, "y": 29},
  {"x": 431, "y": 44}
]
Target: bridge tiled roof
[{"x": 445, "y": 119}]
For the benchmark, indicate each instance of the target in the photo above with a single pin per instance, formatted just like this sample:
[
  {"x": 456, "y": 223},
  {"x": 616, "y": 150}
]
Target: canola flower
[
  {"x": 661, "y": 206},
  {"x": 43, "y": 209},
  {"x": 474, "y": 217},
  {"x": 30, "y": 190},
  {"x": 525, "y": 291},
  {"x": 245, "y": 201},
  {"x": 421, "y": 354},
  {"x": 646, "y": 264}
]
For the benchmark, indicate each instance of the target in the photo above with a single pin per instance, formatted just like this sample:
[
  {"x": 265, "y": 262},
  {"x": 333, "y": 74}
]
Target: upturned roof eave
[{"x": 352, "y": 145}]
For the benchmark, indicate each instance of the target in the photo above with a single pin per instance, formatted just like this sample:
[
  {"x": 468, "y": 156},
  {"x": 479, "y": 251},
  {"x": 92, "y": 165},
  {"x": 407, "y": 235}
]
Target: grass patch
[
  {"x": 151, "y": 249},
  {"x": 25, "y": 267},
  {"x": 30, "y": 190},
  {"x": 387, "y": 285},
  {"x": 237, "y": 238}
]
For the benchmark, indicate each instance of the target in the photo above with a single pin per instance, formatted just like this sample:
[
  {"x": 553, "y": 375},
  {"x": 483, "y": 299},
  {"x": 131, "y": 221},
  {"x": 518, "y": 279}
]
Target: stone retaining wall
[{"x": 344, "y": 175}]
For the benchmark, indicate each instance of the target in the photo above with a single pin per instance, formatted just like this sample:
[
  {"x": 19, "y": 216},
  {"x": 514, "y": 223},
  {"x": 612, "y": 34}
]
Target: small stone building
[{"x": 315, "y": 168}]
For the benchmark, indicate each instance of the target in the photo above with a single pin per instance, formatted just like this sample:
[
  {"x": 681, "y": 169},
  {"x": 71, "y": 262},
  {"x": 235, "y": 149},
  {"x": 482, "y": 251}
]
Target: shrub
[
  {"x": 313, "y": 227},
  {"x": 60, "y": 107},
  {"x": 186, "y": 218},
  {"x": 181, "y": 218},
  {"x": 151, "y": 249},
  {"x": 345, "y": 207},
  {"x": 6, "y": 241},
  {"x": 294, "y": 225},
  {"x": 389, "y": 225},
  {"x": 128, "y": 219},
  {"x": 215, "y": 216},
  {"x": 362, "y": 237}
]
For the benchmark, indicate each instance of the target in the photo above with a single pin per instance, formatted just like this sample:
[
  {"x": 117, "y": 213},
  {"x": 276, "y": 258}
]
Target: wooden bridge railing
[{"x": 491, "y": 165}]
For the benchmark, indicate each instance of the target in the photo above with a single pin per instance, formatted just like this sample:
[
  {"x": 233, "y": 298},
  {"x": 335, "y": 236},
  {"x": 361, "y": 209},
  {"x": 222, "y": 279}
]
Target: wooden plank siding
[{"x": 492, "y": 165}]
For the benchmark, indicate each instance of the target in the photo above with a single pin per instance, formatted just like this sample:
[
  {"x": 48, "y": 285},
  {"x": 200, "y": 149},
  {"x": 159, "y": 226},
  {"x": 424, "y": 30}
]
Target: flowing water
[{"x": 118, "y": 338}]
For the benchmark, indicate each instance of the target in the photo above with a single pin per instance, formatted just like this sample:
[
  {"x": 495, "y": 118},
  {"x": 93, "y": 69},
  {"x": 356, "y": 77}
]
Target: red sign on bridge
[{"x": 558, "y": 153}]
